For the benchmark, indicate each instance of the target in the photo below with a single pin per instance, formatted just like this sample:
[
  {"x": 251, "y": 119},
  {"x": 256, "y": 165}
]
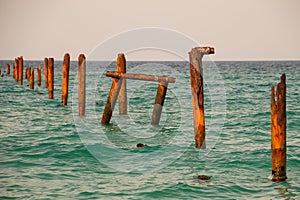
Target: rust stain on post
[
  {"x": 31, "y": 80},
  {"x": 65, "y": 79},
  {"x": 121, "y": 67},
  {"x": 278, "y": 130},
  {"x": 81, "y": 84},
  {"x": 27, "y": 73},
  {"x": 51, "y": 78},
  {"x": 111, "y": 100},
  {"x": 196, "y": 75},
  {"x": 39, "y": 75},
  {"x": 159, "y": 102},
  {"x": 17, "y": 69},
  {"x": 46, "y": 72},
  {"x": 20, "y": 73},
  {"x": 8, "y": 69}
]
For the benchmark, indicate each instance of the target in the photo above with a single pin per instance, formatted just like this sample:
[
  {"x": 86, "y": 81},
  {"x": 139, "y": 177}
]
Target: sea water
[{"x": 47, "y": 151}]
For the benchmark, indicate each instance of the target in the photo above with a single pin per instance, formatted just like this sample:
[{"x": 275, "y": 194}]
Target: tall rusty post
[
  {"x": 65, "y": 79},
  {"x": 31, "y": 79},
  {"x": 121, "y": 67},
  {"x": 159, "y": 102},
  {"x": 46, "y": 72},
  {"x": 8, "y": 69},
  {"x": 278, "y": 130},
  {"x": 50, "y": 78},
  {"x": 20, "y": 64},
  {"x": 196, "y": 75},
  {"x": 39, "y": 75},
  {"x": 81, "y": 84},
  {"x": 17, "y": 69}
]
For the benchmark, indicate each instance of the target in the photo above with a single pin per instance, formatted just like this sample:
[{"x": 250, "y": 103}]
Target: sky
[{"x": 237, "y": 29}]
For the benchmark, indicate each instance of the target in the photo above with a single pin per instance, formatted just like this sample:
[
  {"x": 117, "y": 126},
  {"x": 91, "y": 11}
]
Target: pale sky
[{"x": 237, "y": 29}]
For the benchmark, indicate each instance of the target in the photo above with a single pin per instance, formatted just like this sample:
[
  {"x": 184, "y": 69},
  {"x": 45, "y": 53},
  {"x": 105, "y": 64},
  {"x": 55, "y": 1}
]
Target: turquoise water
[{"x": 48, "y": 152}]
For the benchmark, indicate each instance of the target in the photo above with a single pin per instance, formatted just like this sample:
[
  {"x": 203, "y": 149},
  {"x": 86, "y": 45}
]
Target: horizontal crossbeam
[{"x": 142, "y": 77}]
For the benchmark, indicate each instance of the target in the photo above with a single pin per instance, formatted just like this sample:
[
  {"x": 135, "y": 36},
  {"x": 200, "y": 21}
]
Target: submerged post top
[{"x": 204, "y": 50}]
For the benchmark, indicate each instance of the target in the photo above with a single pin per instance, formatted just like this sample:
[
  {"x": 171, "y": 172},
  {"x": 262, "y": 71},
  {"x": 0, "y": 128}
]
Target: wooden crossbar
[{"x": 142, "y": 77}]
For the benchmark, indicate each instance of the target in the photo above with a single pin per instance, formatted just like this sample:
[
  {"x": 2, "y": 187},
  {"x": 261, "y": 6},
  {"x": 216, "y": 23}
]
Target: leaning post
[
  {"x": 159, "y": 102},
  {"x": 111, "y": 100}
]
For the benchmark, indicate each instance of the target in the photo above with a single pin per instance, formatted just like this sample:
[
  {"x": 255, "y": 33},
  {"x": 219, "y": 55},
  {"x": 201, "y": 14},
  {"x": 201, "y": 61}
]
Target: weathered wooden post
[
  {"x": 196, "y": 75},
  {"x": 111, "y": 100},
  {"x": 31, "y": 80},
  {"x": 14, "y": 72},
  {"x": 28, "y": 73},
  {"x": 159, "y": 102},
  {"x": 20, "y": 64},
  {"x": 121, "y": 67},
  {"x": 46, "y": 72},
  {"x": 50, "y": 78},
  {"x": 81, "y": 84},
  {"x": 278, "y": 131},
  {"x": 118, "y": 77},
  {"x": 39, "y": 75},
  {"x": 65, "y": 79},
  {"x": 17, "y": 69},
  {"x": 8, "y": 69}
]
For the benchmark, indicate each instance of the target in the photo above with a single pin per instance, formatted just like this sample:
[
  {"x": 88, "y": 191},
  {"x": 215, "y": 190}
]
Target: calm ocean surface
[{"x": 48, "y": 152}]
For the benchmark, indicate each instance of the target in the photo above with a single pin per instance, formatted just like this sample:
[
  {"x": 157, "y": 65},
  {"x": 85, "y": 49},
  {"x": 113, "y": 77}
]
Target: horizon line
[{"x": 134, "y": 60}]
